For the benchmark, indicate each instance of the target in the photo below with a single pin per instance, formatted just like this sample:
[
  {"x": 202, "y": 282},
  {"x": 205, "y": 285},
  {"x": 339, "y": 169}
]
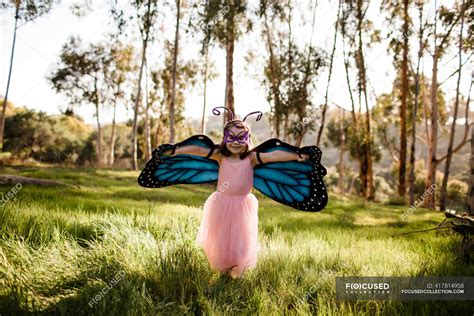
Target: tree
[
  {"x": 444, "y": 184},
  {"x": 363, "y": 88},
  {"x": 146, "y": 13},
  {"x": 354, "y": 13},
  {"x": 223, "y": 21},
  {"x": 399, "y": 44},
  {"x": 270, "y": 11},
  {"x": 81, "y": 75},
  {"x": 290, "y": 73},
  {"x": 173, "y": 85},
  {"x": 323, "y": 115},
  {"x": 450, "y": 20},
  {"x": 337, "y": 129},
  {"x": 186, "y": 77},
  {"x": 208, "y": 73},
  {"x": 117, "y": 77},
  {"x": 411, "y": 178},
  {"x": 24, "y": 11},
  {"x": 355, "y": 123},
  {"x": 470, "y": 192}
]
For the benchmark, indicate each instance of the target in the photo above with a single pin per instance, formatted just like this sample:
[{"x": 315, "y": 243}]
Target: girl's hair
[{"x": 239, "y": 124}]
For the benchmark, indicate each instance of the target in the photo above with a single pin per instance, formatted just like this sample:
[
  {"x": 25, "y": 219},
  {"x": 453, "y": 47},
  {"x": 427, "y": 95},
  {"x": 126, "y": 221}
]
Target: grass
[{"x": 110, "y": 247}]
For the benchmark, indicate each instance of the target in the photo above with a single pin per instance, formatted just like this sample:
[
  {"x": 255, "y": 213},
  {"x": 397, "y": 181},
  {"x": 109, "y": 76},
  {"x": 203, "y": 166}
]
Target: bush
[
  {"x": 396, "y": 200},
  {"x": 457, "y": 194},
  {"x": 31, "y": 134}
]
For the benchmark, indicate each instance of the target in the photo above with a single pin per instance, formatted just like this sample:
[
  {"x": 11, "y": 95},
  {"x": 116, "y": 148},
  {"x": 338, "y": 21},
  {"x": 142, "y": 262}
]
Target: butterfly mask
[{"x": 241, "y": 138}]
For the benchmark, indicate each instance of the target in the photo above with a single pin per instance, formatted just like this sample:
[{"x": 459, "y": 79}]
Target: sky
[{"x": 39, "y": 43}]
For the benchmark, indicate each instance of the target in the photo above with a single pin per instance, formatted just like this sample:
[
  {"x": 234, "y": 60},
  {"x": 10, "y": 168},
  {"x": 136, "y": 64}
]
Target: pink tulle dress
[{"x": 229, "y": 228}]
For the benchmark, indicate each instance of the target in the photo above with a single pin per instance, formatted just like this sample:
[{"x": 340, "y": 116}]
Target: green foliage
[
  {"x": 457, "y": 193},
  {"x": 46, "y": 138},
  {"x": 159, "y": 98},
  {"x": 222, "y": 20},
  {"x": 333, "y": 130},
  {"x": 27, "y": 10},
  {"x": 359, "y": 136},
  {"x": 395, "y": 199}
]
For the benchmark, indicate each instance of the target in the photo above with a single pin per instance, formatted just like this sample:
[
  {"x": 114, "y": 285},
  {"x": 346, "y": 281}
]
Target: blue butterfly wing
[
  {"x": 298, "y": 184},
  {"x": 164, "y": 170}
]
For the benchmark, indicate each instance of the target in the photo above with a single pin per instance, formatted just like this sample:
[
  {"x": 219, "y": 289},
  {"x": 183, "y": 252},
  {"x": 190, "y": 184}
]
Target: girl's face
[{"x": 235, "y": 147}]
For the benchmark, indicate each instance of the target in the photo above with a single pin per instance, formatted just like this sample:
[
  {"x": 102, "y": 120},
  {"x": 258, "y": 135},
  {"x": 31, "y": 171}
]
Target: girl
[{"x": 229, "y": 228}]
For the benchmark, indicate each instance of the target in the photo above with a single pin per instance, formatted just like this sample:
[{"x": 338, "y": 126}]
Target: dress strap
[{"x": 258, "y": 158}]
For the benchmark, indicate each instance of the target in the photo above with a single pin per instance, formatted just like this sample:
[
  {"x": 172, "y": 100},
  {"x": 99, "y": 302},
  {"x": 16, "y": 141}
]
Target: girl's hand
[
  {"x": 303, "y": 157},
  {"x": 164, "y": 149}
]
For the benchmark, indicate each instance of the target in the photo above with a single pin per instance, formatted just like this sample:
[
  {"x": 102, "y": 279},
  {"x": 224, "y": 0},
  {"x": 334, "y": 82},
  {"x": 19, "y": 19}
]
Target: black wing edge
[
  {"x": 156, "y": 158},
  {"x": 315, "y": 155}
]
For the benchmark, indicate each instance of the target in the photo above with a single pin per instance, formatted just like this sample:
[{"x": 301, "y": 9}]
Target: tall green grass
[{"x": 62, "y": 248}]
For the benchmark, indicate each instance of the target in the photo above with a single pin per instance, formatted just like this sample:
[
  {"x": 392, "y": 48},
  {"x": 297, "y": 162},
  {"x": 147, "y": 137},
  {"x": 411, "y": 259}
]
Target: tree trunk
[
  {"x": 323, "y": 115},
  {"x": 99, "y": 127},
  {"x": 173, "y": 91},
  {"x": 290, "y": 71},
  {"x": 275, "y": 88},
  {"x": 203, "y": 120},
  {"x": 136, "y": 108},
  {"x": 158, "y": 127},
  {"x": 5, "y": 99},
  {"x": 147, "y": 117},
  {"x": 112, "y": 139},
  {"x": 403, "y": 107},
  {"x": 299, "y": 139},
  {"x": 370, "y": 194},
  {"x": 360, "y": 159},
  {"x": 137, "y": 100},
  {"x": 340, "y": 180},
  {"x": 470, "y": 192},
  {"x": 147, "y": 132},
  {"x": 433, "y": 141},
  {"x": 415, "y": 113},
  {"x": 229, "y": 84},
  {"x": 444, "y": 185}
]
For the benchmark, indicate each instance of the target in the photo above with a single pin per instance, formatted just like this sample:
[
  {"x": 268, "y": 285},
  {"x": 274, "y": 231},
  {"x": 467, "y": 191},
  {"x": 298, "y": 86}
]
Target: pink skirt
[{"x": 229, "y": 232}]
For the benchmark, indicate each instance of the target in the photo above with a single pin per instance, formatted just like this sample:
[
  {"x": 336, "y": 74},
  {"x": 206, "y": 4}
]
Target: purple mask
[{"x": 241, "y": 138}]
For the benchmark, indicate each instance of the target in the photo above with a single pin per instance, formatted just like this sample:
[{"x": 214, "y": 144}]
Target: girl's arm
[
  {"x": 193, "y": 150},
  {"x": 280, "y": 155}
]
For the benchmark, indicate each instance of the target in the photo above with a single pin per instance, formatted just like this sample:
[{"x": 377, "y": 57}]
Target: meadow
[{"x": 106, "y": 246}]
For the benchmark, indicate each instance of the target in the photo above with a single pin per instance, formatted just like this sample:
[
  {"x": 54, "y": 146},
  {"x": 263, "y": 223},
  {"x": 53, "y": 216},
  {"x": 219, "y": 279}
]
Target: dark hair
[{"x": 239, "y": 124}]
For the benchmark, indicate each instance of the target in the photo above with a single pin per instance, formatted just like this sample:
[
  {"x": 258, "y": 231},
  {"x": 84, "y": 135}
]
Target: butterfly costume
[{"x": 228, "y": 230}]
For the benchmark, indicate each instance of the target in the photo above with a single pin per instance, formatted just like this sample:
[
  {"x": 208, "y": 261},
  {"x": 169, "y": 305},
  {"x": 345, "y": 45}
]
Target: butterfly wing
[
  {"x": 298, "y": 184},
  {"x": 164, "y": 170}
]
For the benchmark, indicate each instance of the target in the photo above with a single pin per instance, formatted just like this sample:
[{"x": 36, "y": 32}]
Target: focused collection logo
[{"x": 367, "y": 288}]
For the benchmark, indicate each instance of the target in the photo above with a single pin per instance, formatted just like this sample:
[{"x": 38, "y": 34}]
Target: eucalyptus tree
[
  {"x": 225, "y": 21},
  {"x": 442, "y": 39},
  {"x": 24, "y": 11},
  {"x": 80, "y": 76},
  {"x": 146, "y": 13}
]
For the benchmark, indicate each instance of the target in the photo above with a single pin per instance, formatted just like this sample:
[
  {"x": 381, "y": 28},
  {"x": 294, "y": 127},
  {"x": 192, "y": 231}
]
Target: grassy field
[{"x": 110, "y": 247}]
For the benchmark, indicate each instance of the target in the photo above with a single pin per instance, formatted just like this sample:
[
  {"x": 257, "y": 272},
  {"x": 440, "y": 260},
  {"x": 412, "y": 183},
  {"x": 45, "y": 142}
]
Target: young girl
[{"x": 229, "y": 228}]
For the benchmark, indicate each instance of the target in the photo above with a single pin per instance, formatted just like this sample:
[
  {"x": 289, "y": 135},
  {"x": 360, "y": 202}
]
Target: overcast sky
[{"x": 39, "y": 43}]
